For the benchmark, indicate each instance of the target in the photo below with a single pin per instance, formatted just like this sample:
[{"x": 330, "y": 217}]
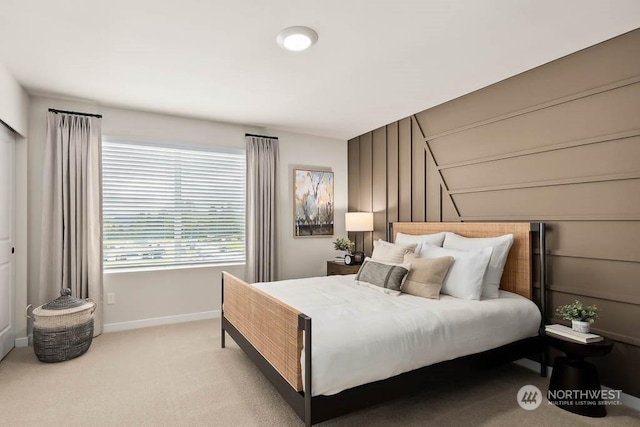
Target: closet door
[{"x": 7, "y": 214}]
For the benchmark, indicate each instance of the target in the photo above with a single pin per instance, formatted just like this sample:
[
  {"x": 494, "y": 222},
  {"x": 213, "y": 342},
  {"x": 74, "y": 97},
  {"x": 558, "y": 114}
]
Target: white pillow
[
  {"x": 391, "y": 252},
  {"x": 465, "y": 276},
  {"x": 431, "y": 239},
  {"x": 500, "y": 245}
]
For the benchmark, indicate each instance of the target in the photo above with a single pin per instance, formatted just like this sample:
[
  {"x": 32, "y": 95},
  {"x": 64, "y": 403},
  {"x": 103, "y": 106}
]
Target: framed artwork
[{"x": 313, "y": 203}]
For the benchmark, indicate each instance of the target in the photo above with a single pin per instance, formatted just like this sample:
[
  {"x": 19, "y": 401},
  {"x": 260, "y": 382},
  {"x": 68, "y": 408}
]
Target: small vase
[{"x": 578, "y": 326}]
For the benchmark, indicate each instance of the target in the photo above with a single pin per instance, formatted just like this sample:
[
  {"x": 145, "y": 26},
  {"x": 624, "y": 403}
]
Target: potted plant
[
  {"x": 581, "y": 316},
  {"x": 343, "y": 244}
]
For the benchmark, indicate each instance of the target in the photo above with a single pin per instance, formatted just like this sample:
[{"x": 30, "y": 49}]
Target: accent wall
[{"x": 558, "y": 144}]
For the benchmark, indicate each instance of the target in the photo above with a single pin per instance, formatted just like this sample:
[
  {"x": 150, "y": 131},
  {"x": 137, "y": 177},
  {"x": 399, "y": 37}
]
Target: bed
[{"x": 336, "y": 369}]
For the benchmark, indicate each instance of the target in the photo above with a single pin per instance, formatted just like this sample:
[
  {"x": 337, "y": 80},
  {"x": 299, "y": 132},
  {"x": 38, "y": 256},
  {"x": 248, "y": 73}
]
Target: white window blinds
[{"x": 167, "y": 205}]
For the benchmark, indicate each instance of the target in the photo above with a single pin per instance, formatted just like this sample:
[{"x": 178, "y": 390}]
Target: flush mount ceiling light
[{"x": 297, "y": 38}]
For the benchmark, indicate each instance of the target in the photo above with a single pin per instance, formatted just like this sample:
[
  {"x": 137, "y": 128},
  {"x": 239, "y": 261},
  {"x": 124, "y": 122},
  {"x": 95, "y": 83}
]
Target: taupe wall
[{"x": 558, "y": 144}]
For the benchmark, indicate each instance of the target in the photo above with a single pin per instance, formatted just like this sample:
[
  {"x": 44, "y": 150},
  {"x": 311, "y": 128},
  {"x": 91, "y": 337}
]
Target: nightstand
[
  {"x": 340, "y": 268},
  {"x": 572, "y": 373}
]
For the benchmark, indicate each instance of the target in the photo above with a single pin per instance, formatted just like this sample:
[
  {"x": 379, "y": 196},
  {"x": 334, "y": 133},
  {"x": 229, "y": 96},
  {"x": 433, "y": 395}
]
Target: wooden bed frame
[{"x": 273, "y": 334}]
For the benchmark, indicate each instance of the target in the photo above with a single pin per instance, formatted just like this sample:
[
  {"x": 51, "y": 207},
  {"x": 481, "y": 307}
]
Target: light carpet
[{"x": 177, "y": 375}]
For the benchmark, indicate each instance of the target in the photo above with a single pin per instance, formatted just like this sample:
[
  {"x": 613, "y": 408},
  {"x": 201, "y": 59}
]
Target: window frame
[{"x": 134, "y": 141}]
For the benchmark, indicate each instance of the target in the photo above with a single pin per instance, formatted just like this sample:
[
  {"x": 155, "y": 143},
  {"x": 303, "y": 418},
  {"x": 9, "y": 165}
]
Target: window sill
[{"x": 169, "y": 267}]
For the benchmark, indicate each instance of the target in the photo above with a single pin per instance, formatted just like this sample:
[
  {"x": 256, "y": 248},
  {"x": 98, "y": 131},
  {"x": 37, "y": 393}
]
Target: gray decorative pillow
[{"x": 385, "y": 277}]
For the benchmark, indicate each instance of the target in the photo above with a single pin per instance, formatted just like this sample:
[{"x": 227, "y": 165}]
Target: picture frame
[{"x": 313, "y": 202}]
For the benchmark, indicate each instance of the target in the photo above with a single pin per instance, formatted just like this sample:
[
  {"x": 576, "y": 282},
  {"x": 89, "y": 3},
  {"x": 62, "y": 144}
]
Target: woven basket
[{"x": 63, "y": 328}]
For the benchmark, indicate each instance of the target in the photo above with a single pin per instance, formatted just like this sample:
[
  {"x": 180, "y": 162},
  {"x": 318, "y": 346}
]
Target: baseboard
[
  {"x": 627, "y": 399},
  {"x": 158, "y": 321},
  {"x": 23, "y": 341}
]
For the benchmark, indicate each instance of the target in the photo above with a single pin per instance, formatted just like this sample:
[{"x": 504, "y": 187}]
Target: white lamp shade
[{"x": 358, "y": 221}]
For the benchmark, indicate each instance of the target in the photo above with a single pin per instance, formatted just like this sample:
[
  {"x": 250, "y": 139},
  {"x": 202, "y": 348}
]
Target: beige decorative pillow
[
  {"x": 426, "y": 275},
  {"x": 391, "y": 252}
]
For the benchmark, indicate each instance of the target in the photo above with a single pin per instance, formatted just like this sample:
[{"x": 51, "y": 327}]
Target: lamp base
[{"x": 358, "y": 257}]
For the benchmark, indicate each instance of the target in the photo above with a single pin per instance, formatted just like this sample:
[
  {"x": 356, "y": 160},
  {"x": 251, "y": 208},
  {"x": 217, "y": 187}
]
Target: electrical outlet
[{"x": 111, "y": 298}]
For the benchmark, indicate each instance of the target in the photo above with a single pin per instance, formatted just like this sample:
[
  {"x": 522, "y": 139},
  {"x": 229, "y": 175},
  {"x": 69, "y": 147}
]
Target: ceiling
[{"x": 376, "y": 61}]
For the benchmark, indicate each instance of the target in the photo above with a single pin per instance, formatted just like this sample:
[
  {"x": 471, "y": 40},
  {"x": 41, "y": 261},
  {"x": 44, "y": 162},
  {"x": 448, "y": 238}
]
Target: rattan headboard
[{"x": 517, "y": 272}]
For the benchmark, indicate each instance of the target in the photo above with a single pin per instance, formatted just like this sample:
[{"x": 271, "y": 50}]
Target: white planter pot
[{"x": 578, "y": 326}]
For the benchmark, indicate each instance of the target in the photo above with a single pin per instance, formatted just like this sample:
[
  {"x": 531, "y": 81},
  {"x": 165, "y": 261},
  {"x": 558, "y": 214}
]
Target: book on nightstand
[{"x": 566, "y": 332}]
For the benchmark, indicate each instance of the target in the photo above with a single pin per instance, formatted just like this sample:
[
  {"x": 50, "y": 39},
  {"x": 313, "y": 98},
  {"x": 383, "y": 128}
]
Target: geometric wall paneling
[
  {"x": 609, "y": 367},
  {"x": 353, "y": 152},
  {"x": 605, "y": 160},
  {"x": 606, "y": 63},
  {"x": 469, "y": 125},
  {"x": 614, "y": 325},
  {"x": 418, "y": 174},
  {"x": 404, "y": 169},
  {"x": 545, "y": 148},
  {"x": 366, "y": 183},
  {"x": 379, "y": 183},
  {"x": 609, "y": 200},
  {"x": 433, "y": 189},
  {"x": 602, "y": 279},
  {"x": 353, "y": 161},
  {"x": 559, "y": 144},
  {"x": 393, "y": 174},
  {"x": 448, "y": 211},
  {"x": 606, "y": 240},
  {"x": 393, "y": 170},
  {"x": 599, "y": 114},
  {"x": 365, "y": 187}
]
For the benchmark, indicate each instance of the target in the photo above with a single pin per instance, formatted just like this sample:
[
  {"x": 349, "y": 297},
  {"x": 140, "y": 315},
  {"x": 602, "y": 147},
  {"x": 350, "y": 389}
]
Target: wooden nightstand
[{"x": 340, "y": 268}]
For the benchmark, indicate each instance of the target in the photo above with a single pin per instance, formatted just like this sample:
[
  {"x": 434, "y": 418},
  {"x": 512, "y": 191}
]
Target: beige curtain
[
  {"x": 71, "y": 247},
  {"x": 262, "y": 163}
]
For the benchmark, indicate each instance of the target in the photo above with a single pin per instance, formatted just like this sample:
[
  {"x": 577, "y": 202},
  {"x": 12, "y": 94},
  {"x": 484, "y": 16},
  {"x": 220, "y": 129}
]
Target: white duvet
[{"x": 360, "y": 335}]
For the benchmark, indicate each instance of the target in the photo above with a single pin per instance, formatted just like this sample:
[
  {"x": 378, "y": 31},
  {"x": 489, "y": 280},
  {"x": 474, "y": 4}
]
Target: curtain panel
[
  {"x": 71, "y": 247},
  {"x": 262, "y": 164}
]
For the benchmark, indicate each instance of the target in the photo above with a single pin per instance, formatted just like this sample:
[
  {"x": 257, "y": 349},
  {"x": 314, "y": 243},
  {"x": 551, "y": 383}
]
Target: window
[{"x": 168, "y": 205}]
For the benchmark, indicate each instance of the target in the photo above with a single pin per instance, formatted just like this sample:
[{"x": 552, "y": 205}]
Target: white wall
[
  {"x": 307, "y": 256},
  {"x": 14, "y": 103},
  {"x": 151, "y": 294}
]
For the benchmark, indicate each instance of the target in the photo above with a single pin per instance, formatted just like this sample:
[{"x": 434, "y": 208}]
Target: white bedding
[{"x": 360, "y": 335}]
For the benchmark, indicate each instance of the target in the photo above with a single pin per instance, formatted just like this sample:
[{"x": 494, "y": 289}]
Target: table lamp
[{"x": 358, "y": 222}]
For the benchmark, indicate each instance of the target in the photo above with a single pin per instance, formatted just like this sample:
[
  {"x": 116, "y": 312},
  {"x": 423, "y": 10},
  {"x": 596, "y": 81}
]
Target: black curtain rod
[
  {"x": 261, "y": 136},
  {"x": 53, "y": 110}
]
